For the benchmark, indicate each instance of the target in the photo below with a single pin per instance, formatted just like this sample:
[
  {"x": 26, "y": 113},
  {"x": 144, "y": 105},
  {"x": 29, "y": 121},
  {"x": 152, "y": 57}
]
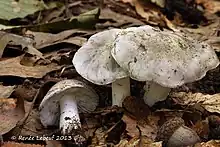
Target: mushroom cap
[
  {"x": 86, "y": 98},
  {"x": 93, "y": 61},
  {"x": 167, "y": 58}
]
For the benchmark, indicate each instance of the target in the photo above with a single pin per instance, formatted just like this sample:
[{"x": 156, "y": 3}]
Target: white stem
[
  {"x": 69, "y": 115},
  {"x": 155, "y": 93},
  {"x": 120, "y": 90}
]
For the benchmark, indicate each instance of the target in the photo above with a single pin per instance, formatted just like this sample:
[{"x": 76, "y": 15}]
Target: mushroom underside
[{"x": 85, "y": 100}]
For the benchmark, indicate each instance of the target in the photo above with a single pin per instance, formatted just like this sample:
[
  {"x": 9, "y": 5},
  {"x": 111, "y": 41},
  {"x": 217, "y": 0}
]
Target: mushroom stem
[
  {"x": 120, "y": 90},
  {"x": 155, "y": 93},
  {"x": 69, "y": 115}
]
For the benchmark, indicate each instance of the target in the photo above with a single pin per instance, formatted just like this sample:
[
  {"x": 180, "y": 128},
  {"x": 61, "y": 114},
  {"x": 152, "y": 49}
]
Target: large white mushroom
[
  {"x": 93, "y": 61},
  {"x": 163, "y": 58},
  {"x": 63, "y": 103}
]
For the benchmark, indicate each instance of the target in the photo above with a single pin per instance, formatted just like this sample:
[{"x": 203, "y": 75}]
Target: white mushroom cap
[
  {"x": 93, "y": 61},
  {"x": 167, "y": 58},
  {"x": 87, "y": 100}
]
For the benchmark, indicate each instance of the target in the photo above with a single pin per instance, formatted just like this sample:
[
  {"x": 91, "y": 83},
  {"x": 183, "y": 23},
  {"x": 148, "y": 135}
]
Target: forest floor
[{"x": 36, "y": 51}]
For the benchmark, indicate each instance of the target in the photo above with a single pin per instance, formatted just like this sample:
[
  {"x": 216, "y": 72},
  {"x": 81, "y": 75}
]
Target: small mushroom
[
  {"x": 174, "y": 133},
  {"x": 163, "y": 58},
  {"x": 63, "y": 102},
  {"x": 93, "y": 61}
]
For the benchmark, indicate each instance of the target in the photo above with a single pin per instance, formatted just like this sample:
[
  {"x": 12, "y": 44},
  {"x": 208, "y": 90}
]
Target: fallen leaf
[
  {"x": 210, "y": 102},
  {"x": 117, "y": 19},
  {"x": 55, "y": 13},
  {"x": 211, "y": 6},
  {"x": 12, "y": 39},
  {"x": 146, "y": 127},
  {"x": 151, "y": 13},
  {"x": 79, "y": 41},
  {"x": 168, "y": 113},
  {"x": 138, "y": 116},
  {"x": 16, "y": 144},
  {"x": 202, "y": 129},
  {"x": 25, "y": 91},
  {"x": 53, "y": 143},
  {"x": 7, "y": 103},
  {"x": 12, "y": 67},
  {"x": 131, "y": 125},
  {"x": 136, "y": 107},
  {"x": 32, "y": 125},
  {"x": 19, "y": 9},
  {"x": 208, "y": 33},
  {"x": 11, "y": 111},
  {"x": 4, "y": 27},
  {"x": 142, "y": 141},
  {"x": 211, "y": 143},
  {"x": 85, "y": 21},
  {"x": 160, "y": 3},
  {"x": 46, "y": 39},
  {"x": 98, "y": 139},
  {"x": 6, "y": 91}
]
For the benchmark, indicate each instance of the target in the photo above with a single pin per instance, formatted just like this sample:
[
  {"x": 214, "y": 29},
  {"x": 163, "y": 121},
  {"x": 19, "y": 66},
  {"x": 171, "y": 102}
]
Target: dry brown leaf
[
  {"x": 138, "y": 116},
  {"x": 151, "y": 13},
  {"x": 79, "y": 41},
  {"x": 53, "y": 143},
  {"x": 6, "y": 91},
  {"x": 118, "y": 20},
  {"x": 132, "y": 2},
  {"x": 211, "y": 6},
  {"x": 25, "y": 42},
  {"x": 147, "y": 127},
  {"x": 11, "y": 111},
  {"x": 136, "y": 107},
  {"x": 7, "y": 104},
  {"x": 16, "y": 144},
  {"x": 12, "y": 67},
  {"x": 140, "y": 111},
  {"x": 168, "y": 113},
  {"x": 27, "y": 91},
  {"x": 32, "y": 126},
  {"x": 98, "y": 139},
  {"x": 160, "y": 3},
  {"x": 46, "y": 39},
  {"x": 202, "y": 129},
  {"x": 131, "y": 126},
  {"x": 211, "y": 143},
  {"x": 210, "y": 102},
  {"x": 142, "y": 141},
  {"x": 207, "y": 33}
]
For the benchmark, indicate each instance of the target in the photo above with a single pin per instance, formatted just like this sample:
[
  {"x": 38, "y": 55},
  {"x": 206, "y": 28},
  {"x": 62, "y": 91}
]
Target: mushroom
[
  {"x": 63, "y": 102},
  {"x": 174, "y": 133},
  {"x": 162, "y": 58},
  {"x": 93, "y": 61}
]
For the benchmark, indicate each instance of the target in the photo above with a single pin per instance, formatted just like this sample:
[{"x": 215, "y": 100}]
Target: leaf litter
[
  {"x": 13, "y": 67},
  {"x": 6, "y": 91},
  {"x": 45, "y": 59}
]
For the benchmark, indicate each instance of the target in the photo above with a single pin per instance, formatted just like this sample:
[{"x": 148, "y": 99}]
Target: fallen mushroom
[
  {"x": 174, "y": 133},
  {"x": 166, "y": 59},
  {"x": 93, "y": 61},
  {"x": 63, "y": 102}
]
